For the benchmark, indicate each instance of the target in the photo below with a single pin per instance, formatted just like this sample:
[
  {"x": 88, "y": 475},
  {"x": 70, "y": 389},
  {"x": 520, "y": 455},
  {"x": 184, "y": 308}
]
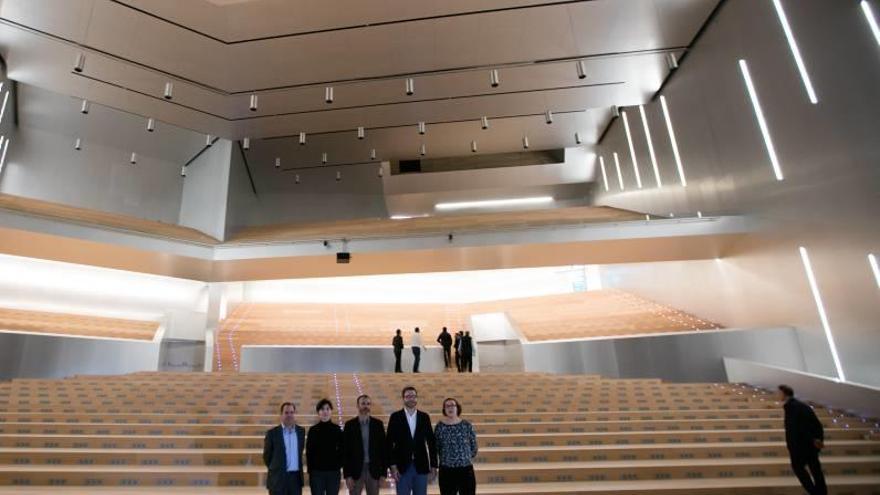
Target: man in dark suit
[
  {"x": 397, "y": 343},
  {"x": 467, "y": 353},
  {"x": 409, "y": 432},
  {"x": 445, "y": 341},
  {"x": 804, "y": 438},
  {"x": 363, "y": 450},
  {"x": 283, "y": 454}
]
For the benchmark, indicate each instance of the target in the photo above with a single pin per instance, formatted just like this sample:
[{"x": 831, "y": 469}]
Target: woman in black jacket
[{"x": 324, "y": 452}]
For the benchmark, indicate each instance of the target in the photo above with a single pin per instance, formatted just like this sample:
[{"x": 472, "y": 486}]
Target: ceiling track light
[
  {"x": 324, "y": 158},
  {"x": 84, "y": 108},
  {"x": 183, "y": 171},
  {"x": 422, "y": 128},
  {"x": 169, "y": 90},
  {"x": 381, "y": 172},
  {"x": 246, "y": 143},
  {"x": 77, "y": 145},
  {"x": 209, "y": 140},
  {"x": 133, "y": 159},
  {"x": 473, "y": 146},
  {"x": 151, "y": 124},
  {"x": 581, "y": 69},
  {"x": 80, "y": 62},
  {"x": 410, "y": 86},
  {"x": 548, "y": 117},
  {"x": 296, "y": 179},
  {"x": 302, "y": 138},
  {"x": 328, "y": 94},
  {"x": 361, "y": 133},
  {"x": 525, "y": 141},
  {"x": 277, "y": 162},
  {"x": 484, "y": 122},
  {"x": 671, "y": 61},
  {"x": 254, "y": 103},
  {"x": 494, "y": 81},
  {"x": 338, "y": 176},
  {"x": 615, "y": 111},
  {"x": 577, "y": 138},
  {"x": 373, "y": 154},
  {"x": 422, "y": 150}
]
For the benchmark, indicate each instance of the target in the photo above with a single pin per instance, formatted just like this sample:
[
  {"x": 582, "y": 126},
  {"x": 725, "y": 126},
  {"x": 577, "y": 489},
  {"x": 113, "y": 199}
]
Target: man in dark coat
[
  {"x": 363, "y": 450},
  {"x": 467, "y": 353},
  {"x": 412, "y": 465},
  {"x": 445, "y": 341},
  {"x": 397, "y": 343},
  {"x": 283, "y": 454},
  {"x": 804, "y": 438}
]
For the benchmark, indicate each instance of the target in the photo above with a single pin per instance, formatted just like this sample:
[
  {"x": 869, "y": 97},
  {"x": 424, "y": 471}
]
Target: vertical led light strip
[
  {"x": 3, "y": 109},
  {"x": 759, "y": 115},
  {"x": 3, "y": 156},
  {"x": 632, "y": 150},
  {"x": 795, "y": 52},
  {"x": 808, "y": 267},
  {"x": 872, "y": 21},
  {"x": 872, "y": 260},
  {"x": 619, "y": 175},
  {"x": 673, "y": 141},
  {"x": 650, "y": 146},
  {"x": 604, "y": 175}
]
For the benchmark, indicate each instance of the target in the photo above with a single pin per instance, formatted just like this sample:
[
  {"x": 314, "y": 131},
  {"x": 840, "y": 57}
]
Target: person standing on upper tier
[
  {"x": 804, "y": 438},
  {"x": 445, "y": 341},
  {"x": 397, "y": 344},
  {"x": 416, "y": 349}
]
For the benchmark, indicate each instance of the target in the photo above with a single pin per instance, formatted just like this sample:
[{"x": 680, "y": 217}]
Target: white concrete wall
[{"x": 205, "y": 188}]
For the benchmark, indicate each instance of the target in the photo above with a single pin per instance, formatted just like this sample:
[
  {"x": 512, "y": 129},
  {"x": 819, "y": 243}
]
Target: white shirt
[
  {"x": 411, "y": 420},
  {"x": 291, "y": 447},
  {"x": 416, "y": 339}
]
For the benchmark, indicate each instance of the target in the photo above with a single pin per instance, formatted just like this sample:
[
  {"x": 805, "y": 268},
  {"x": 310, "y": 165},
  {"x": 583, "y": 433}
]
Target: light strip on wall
[
  {"x": 632, "y": 150},
  {"x": 808, "y": 267},
  {"x": 872, "y": 260},
  {"x": 3, "y": 109},
  {"x": 759, "y": 115},
  {"x": 489, "y": 203},
  {"x": 795, "y": 52},
  {"x": 3, "y": 156},
  {"x": 619, "y": 175},
  {"x": 650, "y": 146},
  {"x": 872, "y": 21},
  {"x": 673, "y": 141},
  {"x": 604, "y": 175}
]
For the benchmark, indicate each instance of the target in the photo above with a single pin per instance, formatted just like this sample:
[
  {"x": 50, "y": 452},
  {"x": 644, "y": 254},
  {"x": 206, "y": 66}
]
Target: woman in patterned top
[{"x": 456, "y": 447}]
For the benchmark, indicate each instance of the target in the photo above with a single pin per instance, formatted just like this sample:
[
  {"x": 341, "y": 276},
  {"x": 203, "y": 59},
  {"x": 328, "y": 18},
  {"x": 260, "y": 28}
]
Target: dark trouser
[
  {"x": 397, "y": 368},
  {"x": 457, "y": 481},
  {"x": 447, "y": 356},
  {"x": 417, "y": 356},
  {"x": 324, "y": 482},
  {"x": 288, "y": 485},
  {"x": 457, "y": 360},
  {"x": 365, "y": 482},
  {"x": 816, "y": 484},
  {"x": 467, "y": 363}
]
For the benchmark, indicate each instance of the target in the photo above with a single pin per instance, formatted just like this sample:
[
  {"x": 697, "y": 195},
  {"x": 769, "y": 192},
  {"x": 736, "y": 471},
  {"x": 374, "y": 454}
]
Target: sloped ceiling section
[{"x": 219, "y": 53}]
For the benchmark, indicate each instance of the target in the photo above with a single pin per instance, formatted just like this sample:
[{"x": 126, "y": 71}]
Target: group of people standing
[
  {"x": 410, "y": 450},
  {"x": 461, "y": 342}
]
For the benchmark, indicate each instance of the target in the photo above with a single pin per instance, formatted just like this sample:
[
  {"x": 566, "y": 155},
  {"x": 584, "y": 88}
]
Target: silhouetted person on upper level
[
  {"x": 397, "y": 343},
  {"x": 804, "y": 438},
  {"x": 457, "y": 345},
  {"x": 467, "y": 353},
  {"x": 416, "y": 349},
  {"x": 445, "y": 341}
]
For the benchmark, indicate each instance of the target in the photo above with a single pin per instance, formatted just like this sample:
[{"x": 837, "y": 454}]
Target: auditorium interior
[{"x": 647, "y": 215}]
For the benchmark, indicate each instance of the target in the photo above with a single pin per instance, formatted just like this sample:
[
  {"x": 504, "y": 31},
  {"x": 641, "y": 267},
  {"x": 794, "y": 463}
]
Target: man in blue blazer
[
  {"x": 283, "y": 454},
  {"x": 409, "y": 433}
]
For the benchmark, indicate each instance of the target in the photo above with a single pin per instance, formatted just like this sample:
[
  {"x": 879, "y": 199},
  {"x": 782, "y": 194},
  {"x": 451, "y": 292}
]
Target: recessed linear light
[
  {"x": 632, "y": 150},
  {"x": 814, "y": 288},
  {"x": 650, "y": 146},
  {"x": 673, "y": 141},
  {"x": 489, "y": 203},
  {"x": 3, "y": 156},
  {"x": 407, "y": 217},
  {"x": 795, "y": 52},
  {"x": 604, "y": 175},
  {"x": 872, "y": 260},
  {"x": 759, "y": 115},
  {"x": 619, "y": 174},
  {"x": 872, "y": 21}
]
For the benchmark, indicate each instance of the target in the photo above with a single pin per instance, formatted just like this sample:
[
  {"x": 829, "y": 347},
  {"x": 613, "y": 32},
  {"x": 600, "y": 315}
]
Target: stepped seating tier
[{"x": 19, "y": 320}]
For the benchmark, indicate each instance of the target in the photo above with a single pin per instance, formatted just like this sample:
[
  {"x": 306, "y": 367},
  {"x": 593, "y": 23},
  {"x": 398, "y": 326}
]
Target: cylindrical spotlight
[
  {"x": 151, "y": 124},
  {"x": 324, "y": 158},
  {"x": 77, "y": 145},
  {"x": 84, "y": 108},
  {"x": 615, "y": 111},
  {"x": 169, "y": 90},
  {"x": 246, "y": 143},
  {"x": 473, "y": 146},
  {"x": 671, "y": 61},
  {"x": 422, "y": 128},
  {"x": 577, "y": 138},
  {"x": 410, "y": 86},
  {"x": 548, "y": 117},
  {"x": 525, "y": 142},
  {"x": 422, "y": 150},
  {"x": 493, "y": 78},
  {"x": 581, "y": 69},
  {"x": 328, "y": 94},
  {"x": 254, "y": 103},
  {"x": 209, "y": 140},
  {"x": 302, "y": 138},
  {"x": 133, "y": 158},
  {"x": 183, "y": 171},
  {"x": 373, "y": 154},
  {"x": 361, "y": 133},
  {"x": 80, "y": 63},
  {"x": 296, "y": 179},
  {"x": 484, "y": 122},
  {"x": 277, "y": 162},
  {"x": 381, "y": 172},
  {"x": 338, "y": 176}
]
